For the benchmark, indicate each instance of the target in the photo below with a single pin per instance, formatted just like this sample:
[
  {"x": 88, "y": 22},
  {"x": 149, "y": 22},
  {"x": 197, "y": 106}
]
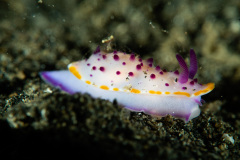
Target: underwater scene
[{"x": 120, "y": 79}]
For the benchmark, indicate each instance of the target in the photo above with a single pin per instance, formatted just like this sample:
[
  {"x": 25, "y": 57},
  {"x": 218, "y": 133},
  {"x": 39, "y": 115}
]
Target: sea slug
[{"x": 135, "y": 83}]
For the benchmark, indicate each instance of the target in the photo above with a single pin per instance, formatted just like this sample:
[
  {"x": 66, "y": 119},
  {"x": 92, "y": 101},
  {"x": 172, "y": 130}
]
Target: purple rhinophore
[
  {"x": 193, "y": 64},
  {"x": 97, "y": 50},
  {"x": 183, "y": 77}
]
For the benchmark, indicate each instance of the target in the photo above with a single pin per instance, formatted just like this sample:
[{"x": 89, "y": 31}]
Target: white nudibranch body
[{"x": 136, "y": 84}]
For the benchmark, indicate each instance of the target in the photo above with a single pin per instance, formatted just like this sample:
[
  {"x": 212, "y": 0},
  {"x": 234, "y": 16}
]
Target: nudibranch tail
[
  {"x": 63, "y": 80},
  {"x": 183, "y": 77},
  {"x": 193, "y": 64}
]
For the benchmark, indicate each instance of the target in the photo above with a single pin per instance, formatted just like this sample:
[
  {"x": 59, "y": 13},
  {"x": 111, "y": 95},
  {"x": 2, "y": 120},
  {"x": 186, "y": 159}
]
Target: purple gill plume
[
  {"x": 183, "y": 77},
  {"x": 193, "y": 64}
]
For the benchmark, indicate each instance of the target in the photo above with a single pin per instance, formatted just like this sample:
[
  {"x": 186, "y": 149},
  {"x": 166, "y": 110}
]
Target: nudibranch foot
[
  {"x": 181, "y": 108},
  {"x": 135, "y": 83}
]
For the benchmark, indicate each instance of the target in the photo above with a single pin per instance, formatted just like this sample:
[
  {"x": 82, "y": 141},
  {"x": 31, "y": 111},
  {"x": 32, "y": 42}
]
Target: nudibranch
[{"x": 135, "y": 83}]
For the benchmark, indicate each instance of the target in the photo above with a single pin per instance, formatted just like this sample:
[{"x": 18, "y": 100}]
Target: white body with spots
[{"x": 134, "y": 83}]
